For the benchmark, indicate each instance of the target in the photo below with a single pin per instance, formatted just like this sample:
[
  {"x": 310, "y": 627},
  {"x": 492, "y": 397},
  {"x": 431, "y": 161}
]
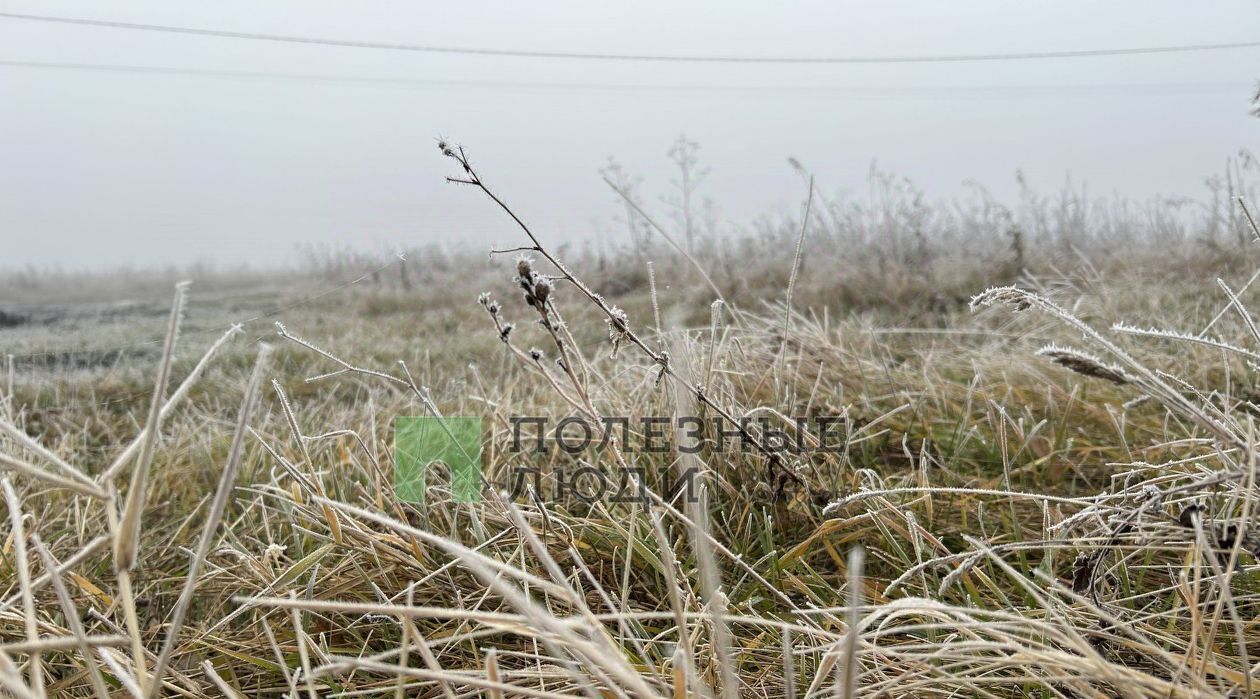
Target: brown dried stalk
[{"x": 618, "y": 322}]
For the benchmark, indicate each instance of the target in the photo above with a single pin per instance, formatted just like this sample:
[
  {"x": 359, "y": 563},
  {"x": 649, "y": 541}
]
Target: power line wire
[
  {"x": 854, "y": 90},
  {"x": 657, "y": 58}
]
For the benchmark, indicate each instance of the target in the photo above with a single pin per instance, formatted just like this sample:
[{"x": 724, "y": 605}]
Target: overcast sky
[{"x": 103, "y": 168}]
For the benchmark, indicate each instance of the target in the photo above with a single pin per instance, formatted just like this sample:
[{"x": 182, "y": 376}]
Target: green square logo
[{"x": 420, "y": 442}]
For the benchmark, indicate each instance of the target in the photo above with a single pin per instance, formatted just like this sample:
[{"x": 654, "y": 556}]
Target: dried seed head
[
  {"x": 618, "y": 321},
  {"x": 542, "y": 289},
  {"x": 524, "y": 267},
  {"x": 618, "y": 328},
  {"x": 535, "y": 354},
  {"x": 488, "y": 303},
  {"x": 1085, "y": 364},
  {"x": 505, "y": 330},
  {"x": 1013, "y": 296}
]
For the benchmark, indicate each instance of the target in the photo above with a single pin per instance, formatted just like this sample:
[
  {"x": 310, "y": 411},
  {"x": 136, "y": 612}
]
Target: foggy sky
[{"x": 103, "y": 169}]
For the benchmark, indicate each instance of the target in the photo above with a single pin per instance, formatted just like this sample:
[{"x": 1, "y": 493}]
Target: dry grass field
[{"x": 1047, "y": 490}]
